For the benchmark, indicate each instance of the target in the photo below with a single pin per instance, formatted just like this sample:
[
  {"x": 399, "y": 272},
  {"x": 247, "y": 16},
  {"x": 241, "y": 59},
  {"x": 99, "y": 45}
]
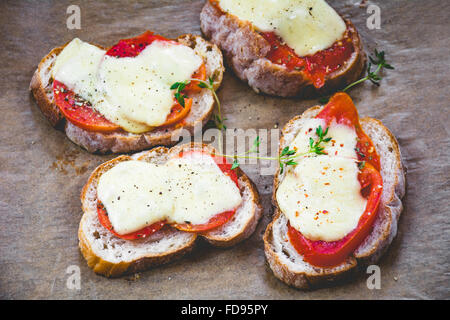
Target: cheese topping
[
  {"x": 76, "y": 66},
  {"x": 343, "y": 138},
  {"x": 133, "y": 92},
  {"x": 321, "y": 196},
  {"x": 190, "y": 189},
  {"x": 307, "y": 26}
]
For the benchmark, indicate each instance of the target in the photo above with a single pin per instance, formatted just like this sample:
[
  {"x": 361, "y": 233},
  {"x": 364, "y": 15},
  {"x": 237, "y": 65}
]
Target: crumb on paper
[{"x": 133, "y": 277}]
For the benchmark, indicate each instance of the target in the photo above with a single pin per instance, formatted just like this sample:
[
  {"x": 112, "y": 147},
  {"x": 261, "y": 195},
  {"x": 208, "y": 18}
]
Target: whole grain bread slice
[
  {"x": 121, "y": 141},
  {"x": 288, "y": 265},
  {"x": 245, "y": 51},
  {"x": 111, "y": 256}
]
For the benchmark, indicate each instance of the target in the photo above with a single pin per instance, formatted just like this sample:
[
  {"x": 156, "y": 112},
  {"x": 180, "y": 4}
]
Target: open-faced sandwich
[
  {"x": 122, "y": 99},
  {"x": 150, "y": 208},
  {"x": 285, "y": 47},
  {"x": 338, "y": 203}
]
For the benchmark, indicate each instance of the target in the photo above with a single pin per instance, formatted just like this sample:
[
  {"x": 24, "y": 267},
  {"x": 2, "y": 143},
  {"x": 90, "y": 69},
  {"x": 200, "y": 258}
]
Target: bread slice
[
  {"x": 121, "y": 141},
  {"x": 288, "y": 265},
  {"x": 111, "y": 256},
  {"x": 245, "y": 51}
]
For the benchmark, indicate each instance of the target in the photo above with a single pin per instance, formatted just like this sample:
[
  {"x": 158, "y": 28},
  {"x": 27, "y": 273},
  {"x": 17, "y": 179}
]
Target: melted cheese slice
[
  {"x": 191, "y": 189},
  {"x": 321, "y": 196},
  {"x": 76, "y": 66},
  {"x": 307, "y": 26},
  {"x": 133, "y": 92},
  {"x": 135, "y": 193}
]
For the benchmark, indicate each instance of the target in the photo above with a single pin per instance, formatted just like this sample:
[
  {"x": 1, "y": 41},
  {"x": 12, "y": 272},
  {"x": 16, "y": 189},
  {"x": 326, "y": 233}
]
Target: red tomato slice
[
  {"x": 214, "y": 222},
  {"x": 316, "y": 66},
  {"x": 133, "y": 46},
  {"x": 140, "y": 234},
  {"x": 200, "y": 74},
  {"x": 327, "y": 254},
  {"x": 81, "y": 113},
  {"x": 178, "y": 112},
  {"x": 218, "y": 219}
]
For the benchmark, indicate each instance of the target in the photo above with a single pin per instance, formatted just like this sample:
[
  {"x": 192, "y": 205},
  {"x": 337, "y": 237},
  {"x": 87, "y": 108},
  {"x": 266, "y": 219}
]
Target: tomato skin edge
[
  {"x": 139, "y": 234},
  {"x": 221, "y": 218},
  {"x": 215, "y": 222},
  {"x": 82, "y": 116},
  {"x": 342, "y": 109}
]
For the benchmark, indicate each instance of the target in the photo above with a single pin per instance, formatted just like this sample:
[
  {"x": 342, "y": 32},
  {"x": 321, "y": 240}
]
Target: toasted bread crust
[
  {"x": 112, "y": 269},
  {"x": 40, "y": 91},
  {"x": 389, "y": 211},
  {"x": 251, "y": 224},
  {"x": 302, "y": 280},
  {"x": 245, "y": 51},
  {"x": 121, "y": 141}
]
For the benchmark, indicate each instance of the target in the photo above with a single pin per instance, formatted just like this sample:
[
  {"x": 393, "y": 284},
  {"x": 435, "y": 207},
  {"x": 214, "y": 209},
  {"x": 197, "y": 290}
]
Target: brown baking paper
[{"x": 42, "y": 172}]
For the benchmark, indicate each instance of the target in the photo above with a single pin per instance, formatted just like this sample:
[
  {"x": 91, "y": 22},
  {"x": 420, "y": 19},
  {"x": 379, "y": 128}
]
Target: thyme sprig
[
  {"x": 380, "y": 61},
  {"x": 218, "y": 119},
  {"x": 287, "y": 156},
  {"x": 373, "y": 76},
  {"x": 209, "y": 84},
  {"x": 179, "y": 95}
]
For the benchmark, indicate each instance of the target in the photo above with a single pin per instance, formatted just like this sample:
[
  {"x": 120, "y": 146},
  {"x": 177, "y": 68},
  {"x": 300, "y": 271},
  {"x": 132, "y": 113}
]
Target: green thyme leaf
[
  {"x": 235, "y": 164},
  {"x": 319, "y": 132},
  {"x": 256, "y": 142},
  {"x": 182, "y": 86},
  {"x": 284, "y": 151},
  {"x": 175, "y": 85},
  {"x": 180, "y": 98},
  {"x": 281, "y": 168},
  {"x": 361, "y": 165},
  {"x": 291, "y": 163},
  {"x": 290, "y": 153}
]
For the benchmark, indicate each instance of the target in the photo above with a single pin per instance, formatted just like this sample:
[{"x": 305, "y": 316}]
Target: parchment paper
[{"x": 42, "y": 172}]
